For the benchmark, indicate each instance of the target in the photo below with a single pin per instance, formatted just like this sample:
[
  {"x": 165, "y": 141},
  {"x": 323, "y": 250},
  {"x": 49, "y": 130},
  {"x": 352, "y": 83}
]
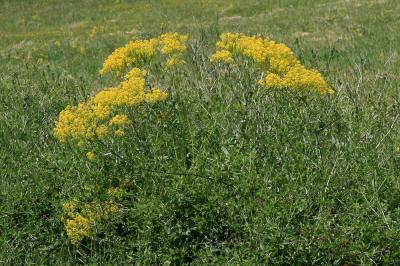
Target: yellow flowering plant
[
  {"x": 97, "y": 118},
  {"x": 82, "y": 219},
  {"x": 278, "y": 63},
  {"x": 170, "y": 45},
  {"x": 109, "y": 116},
  {"x": 117, "y": 120}
]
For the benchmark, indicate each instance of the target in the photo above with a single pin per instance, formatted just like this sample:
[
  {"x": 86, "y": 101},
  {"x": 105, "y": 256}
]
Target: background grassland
[{"x": 295, "y": 179}]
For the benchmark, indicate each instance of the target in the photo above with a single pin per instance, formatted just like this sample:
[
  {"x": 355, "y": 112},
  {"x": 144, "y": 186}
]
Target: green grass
[{"x": 268, "y": 177}]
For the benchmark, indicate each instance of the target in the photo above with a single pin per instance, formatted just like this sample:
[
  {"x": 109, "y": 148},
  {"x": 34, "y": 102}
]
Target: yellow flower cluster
[
  {"x": 238, "y": 43},
  {"x": 120, "y": 120},
  {"x": 298, "y": 78},
  {"x": 90, "y": 155},
  {"x": 130, "y": 54},
  {"x": 138, "y": 51},
  {"x": 80, "y": 122},
  {"x": 91, "y": 120},
  {"x": 78, "y": 224},
  {"x": 173, "y": 45},
  {"x": 223, "y": 56},
  {"x": 98, "y": 117},
  {"x": 282, "y": 68},
  {"x": 129, "y": 93},
  {"x": 77, "y": 228}
]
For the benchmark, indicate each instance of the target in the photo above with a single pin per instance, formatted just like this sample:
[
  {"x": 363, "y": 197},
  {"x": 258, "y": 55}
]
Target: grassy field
[{"x": 223, "y": 171}]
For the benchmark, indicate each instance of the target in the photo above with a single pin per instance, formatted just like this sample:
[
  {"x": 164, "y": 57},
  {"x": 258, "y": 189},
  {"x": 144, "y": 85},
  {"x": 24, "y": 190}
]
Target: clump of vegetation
[{"x": 95, "y": 124}]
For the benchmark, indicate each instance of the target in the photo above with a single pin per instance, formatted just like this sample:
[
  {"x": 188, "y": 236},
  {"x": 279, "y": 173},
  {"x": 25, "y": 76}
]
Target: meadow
[{"x": 209, "y": 166}]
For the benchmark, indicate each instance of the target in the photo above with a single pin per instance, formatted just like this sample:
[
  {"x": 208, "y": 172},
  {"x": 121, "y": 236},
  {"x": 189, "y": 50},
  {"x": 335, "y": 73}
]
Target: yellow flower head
[
  {"x": 78, "y": 225},
  {"x": 120, "y": 120},
  {"x": 136, "y": 73},
  {"x": 172, "y": 43},
  {"x": 90, "y": 156},
  {"x": 101, "y": 131},
  {"x": 119, "y": 133},
  {"x": 222, "y": 55},
  {"x": 88, "y": 121},
  {"x": 77, "y": 228},
  {"x": 272, "y": 81},
  {"x": 80, "y": 122},
  {"x": 130, "y": 54}
]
